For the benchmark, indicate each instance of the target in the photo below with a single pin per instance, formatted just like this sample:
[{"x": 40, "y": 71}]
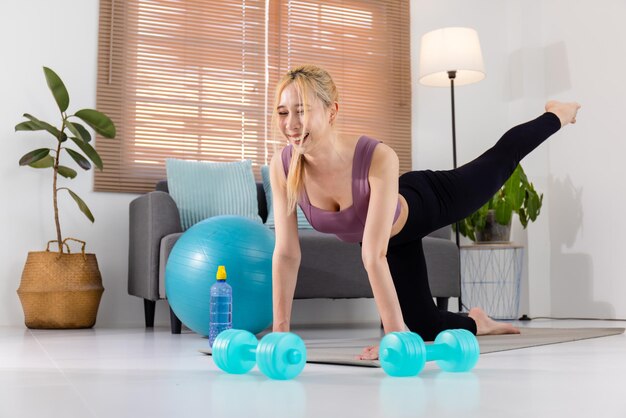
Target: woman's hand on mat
[
  {"x": 369, "y": 353},
  {"x": 566, "y": 112}
]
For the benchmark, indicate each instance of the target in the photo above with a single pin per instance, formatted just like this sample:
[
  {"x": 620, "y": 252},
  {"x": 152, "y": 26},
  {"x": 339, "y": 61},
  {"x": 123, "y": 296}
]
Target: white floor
[{"x": 138, "y": 373}]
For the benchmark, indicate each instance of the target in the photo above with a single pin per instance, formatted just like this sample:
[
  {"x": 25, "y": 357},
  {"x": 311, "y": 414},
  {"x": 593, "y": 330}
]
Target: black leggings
[{"x": 440, "y": 198}]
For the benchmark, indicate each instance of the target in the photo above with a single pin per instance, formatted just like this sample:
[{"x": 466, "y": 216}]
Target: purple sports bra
[{"x": 349, "y": 223}]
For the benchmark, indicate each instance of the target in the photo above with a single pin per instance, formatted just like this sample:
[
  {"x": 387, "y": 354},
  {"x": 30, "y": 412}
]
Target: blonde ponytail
[{"x": 295, "y": 180}]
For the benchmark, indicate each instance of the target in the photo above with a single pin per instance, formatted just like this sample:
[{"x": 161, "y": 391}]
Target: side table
[{"x": 490, "y": 278}]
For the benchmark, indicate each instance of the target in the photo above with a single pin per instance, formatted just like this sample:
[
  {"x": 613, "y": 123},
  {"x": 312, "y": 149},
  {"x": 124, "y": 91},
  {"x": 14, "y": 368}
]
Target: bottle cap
[{"x": 221, "y": 273}]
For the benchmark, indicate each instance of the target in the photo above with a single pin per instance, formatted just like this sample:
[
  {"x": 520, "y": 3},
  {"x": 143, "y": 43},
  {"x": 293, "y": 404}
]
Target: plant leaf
[
  {"x": 84, "y": 133},
  {"x": 57, "y": 88},
  {"x": 467, "y": 229},
  {"x": 533, "y": 204},
  {"x": 522, "y": 175},
  {"x": 80, "y": 160},
  {"x": 523, "y": 218},
  {"x": 28, "y": 126},
  {"x": 46, "y": 126},
  {"x": 98, "y": 121},
  {"x": 462, "y": 227},
  {"x": 90, "y": 152},
  {"x": 66, "y": 172},
  {"x": 512, "y": 189},
  {"x": 81, "y": 205},
  {"x": 504, "y": 212},
  {"x": 73, "y": 127},
  {"x": 478, "y": 220},
  {"x": 34, "y": 156},
  {"x": 471, "y": 234},
  {"x": 45, "y": 162},
  {"x": 521, "y": 197}
]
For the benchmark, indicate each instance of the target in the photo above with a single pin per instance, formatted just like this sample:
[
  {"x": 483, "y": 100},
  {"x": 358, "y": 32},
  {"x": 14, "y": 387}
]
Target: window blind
[
  {"x": 194, "y": 79},
  {"x": 364, "y": 45}
]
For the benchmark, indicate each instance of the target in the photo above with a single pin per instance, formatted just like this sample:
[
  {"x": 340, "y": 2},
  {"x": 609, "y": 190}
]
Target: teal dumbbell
[
  {"x": 405, "y": 354},
  {"x": 279, "y": 355}
]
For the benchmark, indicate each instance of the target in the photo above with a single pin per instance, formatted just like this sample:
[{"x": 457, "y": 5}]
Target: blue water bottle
[{"x": 221, "y": 313}]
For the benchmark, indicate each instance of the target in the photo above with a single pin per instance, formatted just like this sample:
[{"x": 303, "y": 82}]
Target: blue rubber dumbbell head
[
  {"x": 462, "y": 350},
  {"x": 281, "y": 355},
  {"x": 234, "y": 351},
  {"x": 402, "y": 354}
]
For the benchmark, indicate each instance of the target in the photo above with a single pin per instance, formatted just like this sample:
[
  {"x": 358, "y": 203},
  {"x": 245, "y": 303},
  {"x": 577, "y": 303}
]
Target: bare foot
[
  {"x": 484, "y": 326},
  {"x": 566, "y": 112},
  {"x": 487, "y": 326},
  {"x": 369, "y": 353}
]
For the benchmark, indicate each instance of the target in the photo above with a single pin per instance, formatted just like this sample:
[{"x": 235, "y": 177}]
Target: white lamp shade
[{"x": 450, "y": 49}]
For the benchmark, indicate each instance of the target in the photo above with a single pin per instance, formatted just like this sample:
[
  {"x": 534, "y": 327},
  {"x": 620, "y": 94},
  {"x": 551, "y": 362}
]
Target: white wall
[
  {"x": 63, "y": 36},
  {"x": 532, "y": 51},
  {"x": 584, "y": 54}
]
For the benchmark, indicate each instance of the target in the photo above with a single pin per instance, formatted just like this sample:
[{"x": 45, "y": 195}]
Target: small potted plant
[
  {"x": 492, "y": 222},
  {"x": 60, "y": 289}
]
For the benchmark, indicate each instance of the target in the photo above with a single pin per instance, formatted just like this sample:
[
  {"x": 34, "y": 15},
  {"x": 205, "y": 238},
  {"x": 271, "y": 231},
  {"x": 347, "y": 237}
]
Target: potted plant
[
  {"x": 492, "y": 222},
  {"x": 61, "y": 289}
]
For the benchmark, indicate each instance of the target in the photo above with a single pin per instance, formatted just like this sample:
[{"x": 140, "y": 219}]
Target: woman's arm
[
  {"x": 286, "y": 258},
  {"x": 383, "y": 179}
]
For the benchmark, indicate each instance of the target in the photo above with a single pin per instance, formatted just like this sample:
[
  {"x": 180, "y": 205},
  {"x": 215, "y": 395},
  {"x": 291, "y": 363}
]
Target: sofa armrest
[
  {"x": 167, "y": 245},
  {"x": 443, "y": 265},
  {"x": 443, "y": 232},
  {"x": 152, "y": 216}
]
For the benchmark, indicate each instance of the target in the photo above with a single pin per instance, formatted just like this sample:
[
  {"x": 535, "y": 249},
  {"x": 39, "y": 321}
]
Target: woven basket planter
[{"x": 60, "y": 290}]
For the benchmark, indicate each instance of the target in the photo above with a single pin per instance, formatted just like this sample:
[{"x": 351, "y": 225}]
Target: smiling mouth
[{"x": 300, "y": 141}]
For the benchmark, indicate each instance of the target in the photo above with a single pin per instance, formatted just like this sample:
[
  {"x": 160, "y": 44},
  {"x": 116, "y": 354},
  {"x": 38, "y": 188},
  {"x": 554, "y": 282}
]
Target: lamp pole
[{"x": 452, "y": 76}]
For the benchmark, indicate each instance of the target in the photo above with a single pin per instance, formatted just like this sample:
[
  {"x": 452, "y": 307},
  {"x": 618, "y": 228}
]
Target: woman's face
[{"x": 291, "y": 119}]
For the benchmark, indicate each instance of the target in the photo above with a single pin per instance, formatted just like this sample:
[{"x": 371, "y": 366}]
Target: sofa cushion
[
  {"x": 330, "y": 268},
  {"x": 303, "y": 223},
  {"x": 203, "y": 189},
  {"x": 161, "y": 186}
]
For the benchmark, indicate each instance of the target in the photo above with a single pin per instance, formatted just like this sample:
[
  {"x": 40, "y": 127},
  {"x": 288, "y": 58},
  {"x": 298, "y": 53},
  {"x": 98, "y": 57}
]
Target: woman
[{"x": 350, "y": 187}]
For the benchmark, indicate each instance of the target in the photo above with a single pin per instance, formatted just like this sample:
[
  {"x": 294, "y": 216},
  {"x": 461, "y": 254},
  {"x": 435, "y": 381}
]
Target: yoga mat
[{"x": 344, "y": 351}]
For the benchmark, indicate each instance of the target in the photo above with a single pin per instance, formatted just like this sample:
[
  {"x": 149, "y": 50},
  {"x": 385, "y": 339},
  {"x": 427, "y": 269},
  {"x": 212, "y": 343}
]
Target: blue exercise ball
[{"x": 245, "y": 247}]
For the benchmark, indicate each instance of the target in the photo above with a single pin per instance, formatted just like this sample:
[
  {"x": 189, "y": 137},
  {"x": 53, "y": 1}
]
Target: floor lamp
[{"x": 451, "y": 56}]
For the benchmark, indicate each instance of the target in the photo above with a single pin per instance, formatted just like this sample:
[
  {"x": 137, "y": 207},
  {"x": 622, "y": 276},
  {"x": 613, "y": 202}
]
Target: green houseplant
[
  {"x": 63, "y": 290},
  {"x": 492, "y": 221}
]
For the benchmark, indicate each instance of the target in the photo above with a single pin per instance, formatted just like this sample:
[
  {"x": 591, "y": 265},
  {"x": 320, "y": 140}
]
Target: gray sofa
[{"x": 155, "y": 227}]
